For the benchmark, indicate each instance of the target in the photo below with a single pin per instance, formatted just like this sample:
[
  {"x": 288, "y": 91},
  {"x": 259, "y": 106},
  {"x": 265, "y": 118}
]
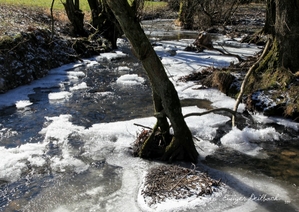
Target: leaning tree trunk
[
  {"x": 76, "y": 16},
  {"x": 166, "y": 100}
]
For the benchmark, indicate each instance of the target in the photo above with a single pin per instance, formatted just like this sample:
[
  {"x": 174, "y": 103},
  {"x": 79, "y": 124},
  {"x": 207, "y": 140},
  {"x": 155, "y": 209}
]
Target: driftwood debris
[
  {"x": 175, "y": 182},
  {"x": 204, "y": 41}
]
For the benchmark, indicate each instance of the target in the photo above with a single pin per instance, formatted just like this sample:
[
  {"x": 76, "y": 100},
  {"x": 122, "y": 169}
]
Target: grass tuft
[{"x": 46, "y": 4}]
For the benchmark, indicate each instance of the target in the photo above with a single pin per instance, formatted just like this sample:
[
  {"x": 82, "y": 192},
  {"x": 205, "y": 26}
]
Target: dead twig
[
  {"x": 24, "y": 41},
  {"x": 139, "y": 125},
  {"x": 221, "y": 51}
]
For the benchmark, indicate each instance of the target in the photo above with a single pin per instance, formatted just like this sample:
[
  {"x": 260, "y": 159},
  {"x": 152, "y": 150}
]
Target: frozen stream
[{"x": 65, "y": 140}]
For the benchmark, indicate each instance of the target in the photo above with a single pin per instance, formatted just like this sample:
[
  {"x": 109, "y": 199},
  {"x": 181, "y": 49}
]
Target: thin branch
[
  {"x": 211, "y": 111},
  {"x": 91, "y": 26},
  {"x": 139, "y": 125},
  {"x": 180, "y": 180},
  {"x": 222, "y": 52},
  {"x": 244, "y": 83},
  {"x": 24, "y": 41}
]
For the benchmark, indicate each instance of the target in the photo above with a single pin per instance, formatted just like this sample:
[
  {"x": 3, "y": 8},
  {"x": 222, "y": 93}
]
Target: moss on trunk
[
  {"x": 270, "y": 74},
  {"x": 278, "y": 82}
]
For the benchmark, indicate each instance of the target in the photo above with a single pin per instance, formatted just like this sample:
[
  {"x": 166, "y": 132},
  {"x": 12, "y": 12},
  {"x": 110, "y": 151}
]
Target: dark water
[{"x": 88, "y": 107}]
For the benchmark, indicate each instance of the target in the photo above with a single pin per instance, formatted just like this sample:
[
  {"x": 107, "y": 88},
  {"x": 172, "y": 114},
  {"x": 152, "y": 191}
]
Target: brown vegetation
[{"x": 174, "y": 182}]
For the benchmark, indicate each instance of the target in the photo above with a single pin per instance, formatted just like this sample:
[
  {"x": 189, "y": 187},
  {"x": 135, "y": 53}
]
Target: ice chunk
[
  {"x": 59, "y": 95},
  {"x": 130, "y": 79}
]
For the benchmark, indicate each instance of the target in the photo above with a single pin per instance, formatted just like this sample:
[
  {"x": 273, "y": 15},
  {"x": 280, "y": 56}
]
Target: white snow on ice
[
  {"x": 111, "y": 141},
  {"x": 246, "y": 140},
  {"x": 130, "y": 79}
]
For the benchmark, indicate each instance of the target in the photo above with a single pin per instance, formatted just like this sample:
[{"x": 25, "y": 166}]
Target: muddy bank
[{"x": 28, "y": 49}]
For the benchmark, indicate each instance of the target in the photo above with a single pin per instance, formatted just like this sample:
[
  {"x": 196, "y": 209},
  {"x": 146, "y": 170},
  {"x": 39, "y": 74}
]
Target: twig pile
[{"x": 174, "y": 182}]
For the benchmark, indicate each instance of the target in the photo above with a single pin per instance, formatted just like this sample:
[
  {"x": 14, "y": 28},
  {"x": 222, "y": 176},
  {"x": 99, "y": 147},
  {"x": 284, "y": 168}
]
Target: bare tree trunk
[
  {"x": 283, "y": 25},
  {"x": 95, "y": 9},
  {"x": 167, "y": 101},
  {"x": 76, "y": 16},
  {"x": 278, "y": 67},
  {"x": 104, "y": 21},
  {"x": 287, "y": 33},
  {"x": 186, "y": 13}
]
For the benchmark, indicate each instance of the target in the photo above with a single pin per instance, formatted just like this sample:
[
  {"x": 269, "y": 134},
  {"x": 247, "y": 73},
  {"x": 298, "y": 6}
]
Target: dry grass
[
  {"x": 14, "y": 19},
  {"x": 19, "y": 15},
  {"x": 46, "y": 4}
]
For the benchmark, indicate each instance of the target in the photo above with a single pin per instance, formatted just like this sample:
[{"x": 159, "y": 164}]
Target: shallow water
[
  {"x": 164, "y": 29},
  {"x": 105, "y": 180}
]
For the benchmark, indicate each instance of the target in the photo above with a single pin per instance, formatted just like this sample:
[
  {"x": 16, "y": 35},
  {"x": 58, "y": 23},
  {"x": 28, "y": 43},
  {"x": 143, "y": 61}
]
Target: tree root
[
  {"x": 151, "y": 143},
  {"x": 180, "y": 149}
]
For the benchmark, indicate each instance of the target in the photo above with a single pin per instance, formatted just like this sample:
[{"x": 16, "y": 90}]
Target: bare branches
[{"x": 174, "y": 182}]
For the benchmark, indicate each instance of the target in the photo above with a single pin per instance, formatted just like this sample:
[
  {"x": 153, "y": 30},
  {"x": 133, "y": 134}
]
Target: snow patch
[
  {"x": 59, "y": 95},
  {"x": 130, "y": 79},
  {"x": 247, "y": 140},
  {"x": 23, "y": 103},
  {"x": 80, "y": 86}
]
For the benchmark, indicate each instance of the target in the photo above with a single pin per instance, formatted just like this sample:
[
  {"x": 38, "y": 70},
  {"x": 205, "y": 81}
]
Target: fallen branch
[
  {"x": 221, "y": 51},
  {"x": 139, "y": 125},
  {"x": 211, "y": 111}
]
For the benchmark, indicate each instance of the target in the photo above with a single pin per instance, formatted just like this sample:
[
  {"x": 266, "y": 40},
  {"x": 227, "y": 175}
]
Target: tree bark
[
  {"x": 278, "y": 69},
  {"x": 186, "y": 13},
  {"x": 282, "y": 23},
  {"x": 95, "y": 10},
  {"x": 76, "y": 16},
  {"x": 287, "y": 33},
  {"x": 104, "y": 21},
  {"x": 167, "y": 100}
]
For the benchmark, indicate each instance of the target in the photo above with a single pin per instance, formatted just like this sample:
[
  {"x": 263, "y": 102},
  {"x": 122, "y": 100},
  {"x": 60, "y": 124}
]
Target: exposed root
[{"x": 155, "y": 149}]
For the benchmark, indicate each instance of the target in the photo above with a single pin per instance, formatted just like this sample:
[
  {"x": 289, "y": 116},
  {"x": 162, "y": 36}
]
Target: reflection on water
[
  {"x": 56, "y": 193},
  {"x": 106, "y": 101},
  {"x": 164, "y": 29},
  {"x": 282, "y": 162}
]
